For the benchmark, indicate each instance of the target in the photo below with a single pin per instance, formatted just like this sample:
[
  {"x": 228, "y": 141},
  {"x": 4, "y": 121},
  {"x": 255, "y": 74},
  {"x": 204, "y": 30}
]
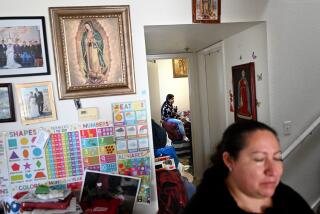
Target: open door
[{"x": 162, "y": 81}]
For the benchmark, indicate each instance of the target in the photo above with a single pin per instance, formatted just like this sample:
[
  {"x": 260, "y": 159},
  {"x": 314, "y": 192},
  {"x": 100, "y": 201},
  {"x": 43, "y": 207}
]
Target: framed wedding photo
[
  {"x": 244, "y": 90},
  {"x": 206, "y": 11},
  {"x": 36, "y": 102},
  {"x": 7, "y": 113},
  {"x": 23, "y": 47},
  {"x": 180, "y": 67},
  {"x": 93, "y": 51}
]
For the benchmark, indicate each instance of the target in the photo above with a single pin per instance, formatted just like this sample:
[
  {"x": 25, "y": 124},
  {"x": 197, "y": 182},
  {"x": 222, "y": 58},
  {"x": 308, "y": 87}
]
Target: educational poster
[
  {"x": 138, "y": 167},
  {"x": 131, "y": 135},
  {"x": 58, "y": 156},
  {"x": 98, "y": 147},
  {"x": 5, "y": 189},
  {"x": 63, "y": 154},
  {"x": 26, "y": 160}
]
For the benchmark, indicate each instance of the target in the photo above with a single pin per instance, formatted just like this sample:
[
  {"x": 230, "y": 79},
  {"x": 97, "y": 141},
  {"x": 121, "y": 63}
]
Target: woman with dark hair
[
  {"x": 169, "y": 114},
  {"x": 245, "y": 176}
]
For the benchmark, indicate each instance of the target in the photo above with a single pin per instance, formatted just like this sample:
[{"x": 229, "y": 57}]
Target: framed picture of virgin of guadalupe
[
  {"x": 93, "y": 51},
  {"x": 244, "y": 90}
]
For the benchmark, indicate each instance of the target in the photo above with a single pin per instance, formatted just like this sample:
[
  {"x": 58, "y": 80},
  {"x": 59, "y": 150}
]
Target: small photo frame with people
[
  {"x": 36, "y": 102},
  {"x": 244, "y": 90},
  {"x": 7, "y": 113},
  {"x": 23, "y": 47}
]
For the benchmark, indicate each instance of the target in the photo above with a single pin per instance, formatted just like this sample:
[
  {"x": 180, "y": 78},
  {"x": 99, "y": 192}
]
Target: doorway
[
  {"x": 161, "y": 83},
  {"x": 213, "y": 100}
]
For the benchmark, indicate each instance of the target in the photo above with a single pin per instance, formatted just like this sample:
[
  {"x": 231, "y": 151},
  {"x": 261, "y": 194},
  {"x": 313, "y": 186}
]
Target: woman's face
[
  {"x": 258, "y": 169},
  {"x": 171, "y": 101},
  {"x": 88, "y": 27}
]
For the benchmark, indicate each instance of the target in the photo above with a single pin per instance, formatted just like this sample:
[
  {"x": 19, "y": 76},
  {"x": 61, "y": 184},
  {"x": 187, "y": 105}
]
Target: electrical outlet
[{"x": 287, "y": 127}]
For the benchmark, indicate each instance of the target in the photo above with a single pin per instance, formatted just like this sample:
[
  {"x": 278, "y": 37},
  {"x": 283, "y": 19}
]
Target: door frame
[
  {"x": 208, "y": 147},
  {"x": 197, "y": 152}
]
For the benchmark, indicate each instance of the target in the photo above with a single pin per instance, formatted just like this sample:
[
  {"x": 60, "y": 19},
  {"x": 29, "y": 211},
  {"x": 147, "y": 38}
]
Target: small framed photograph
[
  {"x": 180, "y": 67},
  {"x": 93, "y": 51},
  {"x": 206, "y": 11},
  {"x": 7, "y": 113},
  {"x": 36, "y": 102},
  {"x": 118, "y": 191},
  {"x": 23, "y": 47},
  {"x": 244, "y": 90}
]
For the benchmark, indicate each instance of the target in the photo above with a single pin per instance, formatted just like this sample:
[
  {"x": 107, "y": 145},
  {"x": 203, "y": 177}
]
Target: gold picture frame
[
  {"x": 206, "y": 11},
  {"x": 180, "y": 67},
  {"x": 36, "y": 102},
  {"x": 93, "y": 51}
]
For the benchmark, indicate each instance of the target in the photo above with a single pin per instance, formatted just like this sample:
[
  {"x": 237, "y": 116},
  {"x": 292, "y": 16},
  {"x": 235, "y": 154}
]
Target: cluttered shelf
[{"x": 101, "y": 193}]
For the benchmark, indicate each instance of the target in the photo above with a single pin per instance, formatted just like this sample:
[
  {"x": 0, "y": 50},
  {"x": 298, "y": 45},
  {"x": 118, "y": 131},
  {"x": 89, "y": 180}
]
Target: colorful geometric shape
[
  {"x": 40, "y": 175},
  {"x": 33, "y": 139},
  {"x": 27, "y": 165},
  {"x": 14, "y": 156},
  {"x": 15, "y": 167},
  {"x": 25, "y": 153},
  {"x": 28, "y": 175},
  {"x": 37, "y": 152},
  {"x": 16, "y": 177},
  {"x": 24, "y": 141},
  {"x": 12, "y": 143},
  {"x": 38, "y": 164}
]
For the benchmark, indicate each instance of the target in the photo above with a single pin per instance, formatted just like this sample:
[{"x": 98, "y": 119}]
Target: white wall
[
  {"x": 293, "y": 30},
  {"x": 243, "y": 45},
  {"x": 293, "y": 33},
  {"x": 294, "y": 50},
  {"x": 179, "y": 87},
  {"x": 155, "y": 101}
]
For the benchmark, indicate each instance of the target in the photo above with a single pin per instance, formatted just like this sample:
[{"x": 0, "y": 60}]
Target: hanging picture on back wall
[
  {"x": 244, "y": 90},
  {"x": 180, "y": 67}
]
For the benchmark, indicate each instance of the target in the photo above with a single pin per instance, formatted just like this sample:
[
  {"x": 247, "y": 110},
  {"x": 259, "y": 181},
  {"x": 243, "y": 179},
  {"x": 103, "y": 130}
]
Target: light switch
[{"x": 287, "y": 127}]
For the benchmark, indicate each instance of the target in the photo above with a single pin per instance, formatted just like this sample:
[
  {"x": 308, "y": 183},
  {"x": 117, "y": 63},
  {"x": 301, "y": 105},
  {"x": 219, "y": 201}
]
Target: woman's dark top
[
  {"x": 167, "y": 111},
  {"x": 212, "y": 196}
]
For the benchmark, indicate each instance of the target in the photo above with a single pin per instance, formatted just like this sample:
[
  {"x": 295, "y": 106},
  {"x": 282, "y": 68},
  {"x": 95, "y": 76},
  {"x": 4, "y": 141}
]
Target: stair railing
[{"x": 300, "y": 139}]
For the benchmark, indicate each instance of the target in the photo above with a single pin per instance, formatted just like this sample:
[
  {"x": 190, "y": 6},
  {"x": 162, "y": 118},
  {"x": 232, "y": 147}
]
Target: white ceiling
[{"x": 170, "y": 39}]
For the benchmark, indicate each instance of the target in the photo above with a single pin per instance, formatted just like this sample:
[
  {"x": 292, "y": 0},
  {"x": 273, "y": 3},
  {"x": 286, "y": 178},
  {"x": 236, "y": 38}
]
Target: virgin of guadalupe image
[
  {"x": 92, "y": 47},
  {"x": 206, "y": 9},
  {"x": 244, "y": 107}
]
